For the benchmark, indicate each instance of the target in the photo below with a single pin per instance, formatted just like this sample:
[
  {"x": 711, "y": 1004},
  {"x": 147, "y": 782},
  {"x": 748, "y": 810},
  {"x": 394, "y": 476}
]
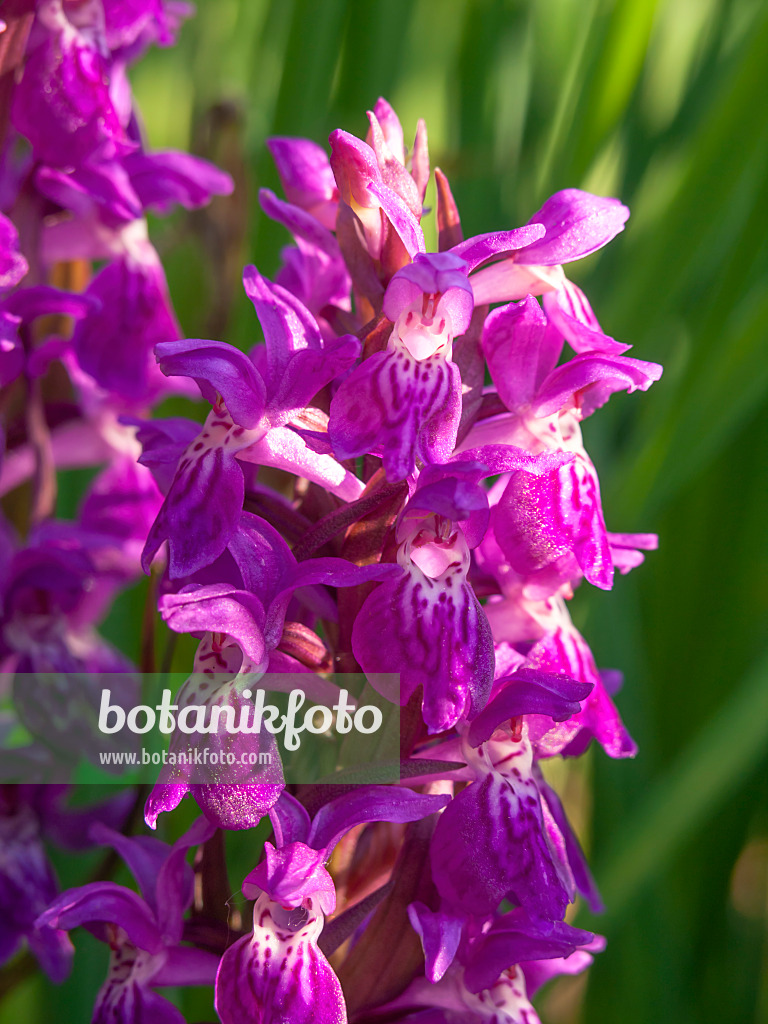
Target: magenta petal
[
  {"x": 218, "y": 608},
  {"x": 308, "y": 372},
  {"x": 440, "y": 274},
  {"x": 163, "y": 442},
  {"x": 200, "y": 513},
  {"x": 42, "y": 300},
  {"x": 291, "y": 874},
  {"x": 480, "y": 248},
  {"x": 401, "y": 218},
  {"x": 217, "y": 369},
  {"x": 577, "y": 862},
  {"x": 588, "y": 381},
  {"x": 508, "y": 458},
  {"x": 336, "y": 572},
  {"x": 577, "y": 223},
  {"x": 174, "y": 883},
  {"x": 365, "y": 804},
  {"x": 490, "y": 844},
  {"x": 288, "y": 327},
  {"x": 391, "y": 128},
  {"x": 437, "y": 637},
  {"x": 53, "y": 950},
  {"x": 514, "y": 938},
  {"x": 11, "y": 349},
  {"x": 354, "y": 166},
  {"x": 259, "y": 980},
  {"x": 114, "y": 344},
  {"x": 567, "y": 651},
  {"x": 306, "y": 176},
  {"x": 540, "y": 520},
  {"x": 317, "y": 249},
  {"x": 454, "y": 498},
  {"x": 529, "y": 692},
  {"x": 298, "y": 365},
  {"x": 284, "y": 448},
  {"x": 144, "y": 855},
  {"x": 13, "y": 266},
  {"x": 108, "y": 902},
  {"x": 539, "y": 972},
  {"x": 239, "y": 805},
  {"x": 627, "y": 549},
  {"x": 294, "y": 820},
  {"x": 164, "y": 797},
  {"x": 131, "y": 1002},
  {"x": 163, "y": 179},
  {"x": 187, "y": 966},
  {"x": 62, "y": 103},
  {"x": 440, "y": 934},
  {"x": 410, "y": 407},
  {"x": 571, "y": 313},
  {"x": 521, "y": 347},
  {"x": 102, "y": 192}
]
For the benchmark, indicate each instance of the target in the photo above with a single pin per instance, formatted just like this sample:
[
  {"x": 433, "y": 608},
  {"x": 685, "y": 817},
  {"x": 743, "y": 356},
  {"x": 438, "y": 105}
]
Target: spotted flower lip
[
  {"x": 287, "y": 975},
  {"x": 408, "y": 398},
  {"x": 442, "y": 641}
]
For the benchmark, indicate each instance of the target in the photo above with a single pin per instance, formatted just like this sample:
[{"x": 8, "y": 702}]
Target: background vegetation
[{"x": 662, "y": 103}]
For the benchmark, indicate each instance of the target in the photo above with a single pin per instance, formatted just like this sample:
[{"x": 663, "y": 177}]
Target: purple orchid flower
[
  {"x": 576, "y": 224},
  {"x": 527, "y": 614},
  {"x": 18, "y": 311},
  {"x": 288, "y": 977},
  {"x": 143, "y": 932},
  {"x": 379, "y": 208},
  {"x": 50, "y": 603},
  {"x": 495, "y": 840},
  {"x": 439, "y": 636},
  {"x": 486, "y": 992},
  {"x": 497, "y": 960},
  {"x": 131, "y": 27},
  {"x": 551, "y": 526},
  {"x": 27, "y": 885},
  {"x": 134, "y": 313},
  {"x": 240, "y": 635},
  {"x": 28, "y": 814},
  {"x": 252, "y": 408},
  {"x": 407, "y": 399}
]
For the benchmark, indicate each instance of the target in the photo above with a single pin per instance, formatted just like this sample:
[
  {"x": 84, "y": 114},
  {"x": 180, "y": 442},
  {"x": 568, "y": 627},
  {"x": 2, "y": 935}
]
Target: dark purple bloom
[
  {"x": 492, "y": 841},
  {"x": 278, "y": 973},
  {"x": 143, "y": 932},
  {"x": 28, "y": 815},
  {"x": 407, "y": 399},
  {"x": 438, "y": 635},
  {"x": 250, "y": 409}
]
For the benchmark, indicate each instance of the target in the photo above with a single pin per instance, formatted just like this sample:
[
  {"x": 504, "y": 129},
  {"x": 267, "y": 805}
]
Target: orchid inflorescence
[{"x": 423, "y": 522}]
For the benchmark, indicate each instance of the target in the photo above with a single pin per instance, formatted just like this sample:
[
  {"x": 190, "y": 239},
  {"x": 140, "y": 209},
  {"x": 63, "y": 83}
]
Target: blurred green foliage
[{"x": 662, "y": 103}]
